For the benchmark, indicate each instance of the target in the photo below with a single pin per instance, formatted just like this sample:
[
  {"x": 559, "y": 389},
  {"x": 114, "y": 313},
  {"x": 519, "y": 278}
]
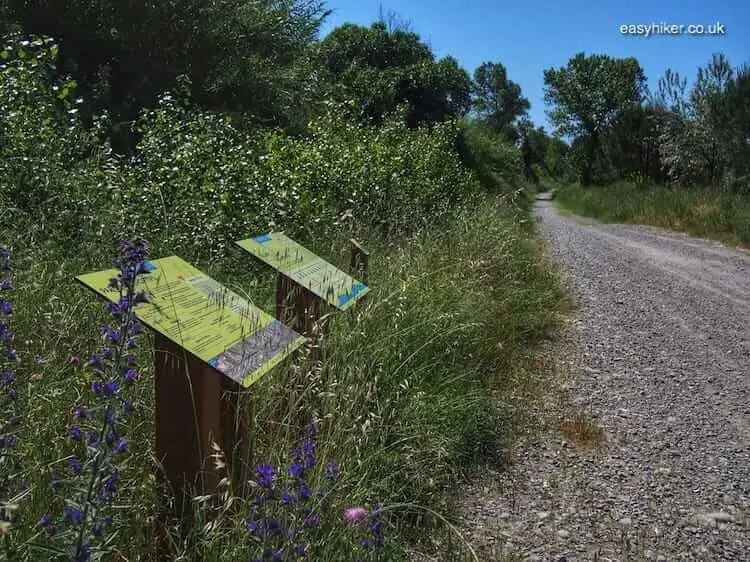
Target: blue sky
[{"x": 529, "y": 36}]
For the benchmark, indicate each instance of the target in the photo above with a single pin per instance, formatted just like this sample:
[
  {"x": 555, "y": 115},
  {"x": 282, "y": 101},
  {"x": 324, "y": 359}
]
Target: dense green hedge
[{"x": 199, "y": 180}]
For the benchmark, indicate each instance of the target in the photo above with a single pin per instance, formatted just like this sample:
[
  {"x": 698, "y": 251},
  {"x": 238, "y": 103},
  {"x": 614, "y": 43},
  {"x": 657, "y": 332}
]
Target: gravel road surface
[{"x": 657, "y": 356}]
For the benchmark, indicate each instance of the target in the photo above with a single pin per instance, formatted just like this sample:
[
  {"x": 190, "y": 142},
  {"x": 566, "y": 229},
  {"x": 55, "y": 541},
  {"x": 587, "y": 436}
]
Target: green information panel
[
  {"x": 206, "y": 319},
  {"x": 305, "y": 268}
]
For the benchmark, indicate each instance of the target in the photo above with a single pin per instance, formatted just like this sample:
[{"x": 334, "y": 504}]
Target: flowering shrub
[
  {"x": 52, "y": 165},
  {"x": 215, "y": 182},
  {"x": 9, "y": 418},
  {"x": 95, "y": 471}
]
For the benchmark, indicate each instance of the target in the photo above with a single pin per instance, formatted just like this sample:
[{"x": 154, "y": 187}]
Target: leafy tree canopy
[
  {"x": 240, "y": 55},
  {"x": 497, "y": 99},
  {"x": 381, "y": 68},
  {"x": 588, "y": 94}
]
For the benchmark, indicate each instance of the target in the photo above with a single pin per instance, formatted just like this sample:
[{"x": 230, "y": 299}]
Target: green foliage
[
  {"x": 210, "y": 182},
  {"x": 689, "y": 136},
  {"x": 43, "y": 145},
  {"x": 497, "y": 99},
  {"x": 631, "y": 144},
  {"x": 703, "y": 132},
  {"x": 701, "y": 212},
  {"x": 557, "y": 160},
  {"x": 534, "y": 143},
  {"x": 497, "y": 163},
  {"x": 381, "y": 69},
  {"x": 587, "y": 95},
  {"x": 199, "y": 180},
  {"x": 239, "y": 54}
]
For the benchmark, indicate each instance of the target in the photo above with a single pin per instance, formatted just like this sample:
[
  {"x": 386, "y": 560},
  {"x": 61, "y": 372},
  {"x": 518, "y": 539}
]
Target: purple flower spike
[
  {"x": 122, "y": 446},
  {"x": 6, "y": 307},
  {"x": 74, "y": 515},
  {"x": 297, "y": 470},
  {"x": 265, "y": 473},
  {"x": 75, "y": 465}
]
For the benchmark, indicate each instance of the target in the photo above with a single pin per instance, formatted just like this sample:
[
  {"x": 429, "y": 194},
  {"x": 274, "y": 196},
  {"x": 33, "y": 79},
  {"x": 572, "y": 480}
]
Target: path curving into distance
[{"x": 658, "y": 356}]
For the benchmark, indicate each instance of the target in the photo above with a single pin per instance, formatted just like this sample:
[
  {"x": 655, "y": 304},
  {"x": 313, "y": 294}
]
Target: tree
[
  {"x": 381, "y": 69},
  {"x": 632, "y": 144},
  {"x": 588, "y": 94},
  {"x": 557, "y": 159},
  {"x": 497, "y": 99},
  {"x": 736, "y": 103},
  {"x": 240, "y": 55},
  {"x": 533, "y": 148},
  {"x": 703, "y": 132}
]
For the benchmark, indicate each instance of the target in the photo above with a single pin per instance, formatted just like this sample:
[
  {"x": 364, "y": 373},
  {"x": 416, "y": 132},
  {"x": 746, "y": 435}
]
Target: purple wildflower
[
  {"x": 122, "y": 446},
  {"x": 265, "y": 473}
]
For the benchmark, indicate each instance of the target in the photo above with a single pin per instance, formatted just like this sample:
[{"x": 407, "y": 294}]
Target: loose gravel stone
[{"x": 658, "y": 355}]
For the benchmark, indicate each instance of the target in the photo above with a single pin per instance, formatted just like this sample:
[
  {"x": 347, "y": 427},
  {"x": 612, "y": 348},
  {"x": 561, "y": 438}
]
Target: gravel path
[{"x": 658, "y": 357}]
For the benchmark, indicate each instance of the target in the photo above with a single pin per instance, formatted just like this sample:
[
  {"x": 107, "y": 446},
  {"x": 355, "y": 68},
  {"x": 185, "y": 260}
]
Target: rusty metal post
[{"x": 297, "y": 306}]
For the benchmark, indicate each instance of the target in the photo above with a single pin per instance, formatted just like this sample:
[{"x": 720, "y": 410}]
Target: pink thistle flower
[{"x": 355, "y": 514}]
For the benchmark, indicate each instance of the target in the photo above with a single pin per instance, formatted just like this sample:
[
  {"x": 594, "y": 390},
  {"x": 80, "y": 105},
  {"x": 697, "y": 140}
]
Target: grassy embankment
[
  {"x": 700, "y": 212},
  {"x": 430, "y": 378}
]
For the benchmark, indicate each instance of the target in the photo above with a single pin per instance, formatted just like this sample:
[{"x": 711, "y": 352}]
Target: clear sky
[{"x": 528, "y": 36}]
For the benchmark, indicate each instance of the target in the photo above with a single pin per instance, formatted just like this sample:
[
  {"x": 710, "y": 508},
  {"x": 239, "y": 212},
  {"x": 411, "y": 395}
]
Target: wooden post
[
  {"x": 300, "y": 308},
  {"x": 290, "y": 303},
  {"x": 297, "y": 306},
  {"x": 360, "y": 261},
  {"x": 195, "y": 406}
]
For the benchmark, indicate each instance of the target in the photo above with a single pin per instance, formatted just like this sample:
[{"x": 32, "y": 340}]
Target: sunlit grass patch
[{"x": 709, "y": 213}]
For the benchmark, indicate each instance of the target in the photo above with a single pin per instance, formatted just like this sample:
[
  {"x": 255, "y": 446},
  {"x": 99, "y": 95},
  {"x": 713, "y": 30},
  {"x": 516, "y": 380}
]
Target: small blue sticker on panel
[
  {"x": 264, "y": 238},
  {"x": 358, "y": 288}
]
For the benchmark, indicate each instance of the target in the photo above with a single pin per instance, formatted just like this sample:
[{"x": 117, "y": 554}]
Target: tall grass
[
  {"x": 702, "y": 212},
  {"x": 428, "y": 378}
]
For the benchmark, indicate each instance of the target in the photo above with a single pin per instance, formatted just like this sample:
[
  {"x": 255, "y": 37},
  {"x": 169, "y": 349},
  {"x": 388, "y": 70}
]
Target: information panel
[
  {"x": 206, "y": 319},
  {"x": 298, "y": 263}
]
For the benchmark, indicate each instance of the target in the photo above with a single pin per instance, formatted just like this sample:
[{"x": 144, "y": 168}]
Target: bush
[
  {"x": 214, "y": 182},
  {"x": 497, "y": 163}
]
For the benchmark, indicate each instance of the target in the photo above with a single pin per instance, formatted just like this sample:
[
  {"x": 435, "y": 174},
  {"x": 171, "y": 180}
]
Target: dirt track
[{"x": 659, "y": 358}]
